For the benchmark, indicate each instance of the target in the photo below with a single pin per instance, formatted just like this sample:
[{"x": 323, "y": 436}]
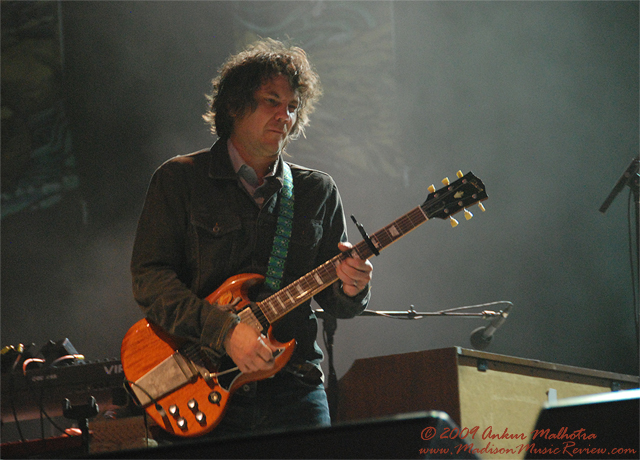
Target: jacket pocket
[
  {"x": 217, "y": 226},
  {"x": 215, "y": 249}
]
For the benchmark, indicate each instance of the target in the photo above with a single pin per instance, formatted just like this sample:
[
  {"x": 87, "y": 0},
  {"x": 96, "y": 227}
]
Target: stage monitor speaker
[
  {"x": 418, "y": 435},
  {"x": 594, "y": 426}
]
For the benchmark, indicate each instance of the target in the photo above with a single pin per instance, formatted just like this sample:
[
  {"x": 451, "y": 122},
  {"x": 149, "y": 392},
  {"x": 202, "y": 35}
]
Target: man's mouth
[{"x": 282, "y": 130}]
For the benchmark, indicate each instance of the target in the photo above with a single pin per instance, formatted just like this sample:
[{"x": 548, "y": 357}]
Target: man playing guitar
[{"x": 239, "y": 208}]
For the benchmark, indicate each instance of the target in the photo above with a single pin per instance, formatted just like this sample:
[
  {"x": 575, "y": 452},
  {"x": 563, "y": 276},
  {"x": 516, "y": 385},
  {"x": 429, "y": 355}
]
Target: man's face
[{"x": 263, "y": 132}]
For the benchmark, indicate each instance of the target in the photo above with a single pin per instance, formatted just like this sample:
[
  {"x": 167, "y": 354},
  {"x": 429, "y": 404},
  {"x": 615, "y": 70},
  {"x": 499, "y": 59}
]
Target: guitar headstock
[{"x": 454, "y": 197}]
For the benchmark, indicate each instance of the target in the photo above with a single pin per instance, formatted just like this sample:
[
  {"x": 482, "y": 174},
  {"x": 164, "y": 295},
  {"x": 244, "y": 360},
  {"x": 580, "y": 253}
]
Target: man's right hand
[{"x": 250, "y": 350}]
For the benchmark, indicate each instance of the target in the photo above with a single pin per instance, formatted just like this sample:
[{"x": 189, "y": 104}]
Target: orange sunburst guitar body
[
  {"x": 181, "y": 389},
  {"x": 186, "y": 393}
]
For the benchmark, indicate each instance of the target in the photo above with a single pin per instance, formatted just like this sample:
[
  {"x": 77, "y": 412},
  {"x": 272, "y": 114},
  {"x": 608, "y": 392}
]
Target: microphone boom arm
[{"x": 412, "y": 314}]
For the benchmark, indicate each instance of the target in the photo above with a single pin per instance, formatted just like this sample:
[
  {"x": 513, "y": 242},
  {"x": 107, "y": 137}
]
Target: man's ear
[
  {"x": 237, "y": 113},
  {"x": 233, "y": 113}
]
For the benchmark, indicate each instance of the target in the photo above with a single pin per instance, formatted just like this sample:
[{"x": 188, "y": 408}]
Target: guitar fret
[
  {"x": 389, "y": 236},
  {"x": 364, "y": 251},
  {"x": 406, "y": 226},
  {"x": 306, "y": 281},
  {"x": 408, "y": 220},
  {"x": 289, "y": 295},
  {"x": 408, "y": 223},
  {"x": 272, "y": 308},
  {"x": 375, "y": 240},
  {"x": 381, "y": 238},
  {"x": 325, "y": 271},
  {"x": 361, "y": 250},
  {"x": 392, "y": 235},
  {"x": 418, "y": 215}
]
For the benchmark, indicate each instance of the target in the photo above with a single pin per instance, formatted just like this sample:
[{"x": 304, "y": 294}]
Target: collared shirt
[{"x": 248, "y": 176}]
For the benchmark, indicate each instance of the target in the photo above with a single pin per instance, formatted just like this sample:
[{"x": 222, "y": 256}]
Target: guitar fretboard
[
  {"x": 301, "y": 290},
  {"x": 443, "y": 203}
]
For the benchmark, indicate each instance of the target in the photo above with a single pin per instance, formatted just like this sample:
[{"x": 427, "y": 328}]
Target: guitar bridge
[{"x": 166, "y": 377}]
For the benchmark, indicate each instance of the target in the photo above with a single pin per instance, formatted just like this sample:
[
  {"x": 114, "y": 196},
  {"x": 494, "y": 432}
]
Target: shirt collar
[{"x": 248, "y": 175}]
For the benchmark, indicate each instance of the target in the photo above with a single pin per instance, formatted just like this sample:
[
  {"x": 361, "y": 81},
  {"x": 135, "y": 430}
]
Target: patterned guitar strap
[{"x": 275, "y": 268}]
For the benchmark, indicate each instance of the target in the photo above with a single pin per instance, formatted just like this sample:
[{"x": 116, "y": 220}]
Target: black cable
[
  {"x": 43, "y": 412},
  {"x": 157, "y": 405},
  {"x": 146, "y": 427},
  {"x": 13, "y": 405}
]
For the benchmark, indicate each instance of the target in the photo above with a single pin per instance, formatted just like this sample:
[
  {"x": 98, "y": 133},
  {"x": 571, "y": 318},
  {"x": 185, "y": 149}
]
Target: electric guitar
[{"x": 186, "y": 392}]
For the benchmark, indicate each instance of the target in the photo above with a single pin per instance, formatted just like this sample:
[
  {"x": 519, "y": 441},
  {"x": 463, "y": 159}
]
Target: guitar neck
[{"x": 301, "y": 290}]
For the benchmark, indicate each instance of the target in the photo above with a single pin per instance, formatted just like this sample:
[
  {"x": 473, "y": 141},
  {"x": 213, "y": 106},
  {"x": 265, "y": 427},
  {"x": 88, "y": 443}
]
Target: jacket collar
[{"x": 220, "y": 166}]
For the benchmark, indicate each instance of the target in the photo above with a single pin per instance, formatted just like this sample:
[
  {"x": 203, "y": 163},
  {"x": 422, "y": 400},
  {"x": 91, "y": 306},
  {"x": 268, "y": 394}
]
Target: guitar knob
[
  {"x": 445, "y": 181},
  {"x": 173, "y": 410},
  {"x": 467, "y": 214},
  {"x": 192, "y": 405},
  {"x": 182, "y": 423},
  {"x": 201, "y": 418},
  {"x": 215, "y": 397},
  {"x": 454, "y": 223},
  {"x": 431, "y": 188},
  {"x": 481, "y": 206},
  {"x": 459, "y": 174}
]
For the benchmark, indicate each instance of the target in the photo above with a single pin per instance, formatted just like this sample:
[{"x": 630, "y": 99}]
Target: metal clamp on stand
[{"x": 81, "y": 414}]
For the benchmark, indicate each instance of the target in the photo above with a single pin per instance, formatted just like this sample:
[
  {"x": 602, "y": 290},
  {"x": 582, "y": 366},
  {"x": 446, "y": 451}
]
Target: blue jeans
[{"x": 278, "y": 403}]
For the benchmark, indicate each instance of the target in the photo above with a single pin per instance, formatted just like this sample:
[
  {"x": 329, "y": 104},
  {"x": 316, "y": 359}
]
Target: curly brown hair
[{"x": 242, "y": 75}]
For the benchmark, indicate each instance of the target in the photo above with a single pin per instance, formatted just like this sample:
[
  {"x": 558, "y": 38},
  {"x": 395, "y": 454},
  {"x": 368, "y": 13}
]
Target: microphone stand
[
  {"x": 630, "y": 178},
  {"x": 330, "y": 324}
]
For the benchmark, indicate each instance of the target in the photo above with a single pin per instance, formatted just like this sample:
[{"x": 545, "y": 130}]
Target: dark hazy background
[{"x": 538, "y": 99}]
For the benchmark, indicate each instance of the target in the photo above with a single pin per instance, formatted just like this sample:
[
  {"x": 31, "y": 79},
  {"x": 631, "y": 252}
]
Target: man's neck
[
  {"x": 259, "y": 168},
  {"x": 262, "y": 165}
]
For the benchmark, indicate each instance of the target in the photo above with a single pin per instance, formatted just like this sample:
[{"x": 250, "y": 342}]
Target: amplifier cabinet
[{"x": 500, "y": 395}]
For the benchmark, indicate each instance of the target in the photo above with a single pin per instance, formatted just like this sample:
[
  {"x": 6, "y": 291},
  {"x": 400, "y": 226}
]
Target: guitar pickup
[{"x": 171, "y": 374}]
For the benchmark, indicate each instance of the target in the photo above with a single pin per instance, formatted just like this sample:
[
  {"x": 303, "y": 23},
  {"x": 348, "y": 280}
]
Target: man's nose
[{"x": 284, "y": 114}]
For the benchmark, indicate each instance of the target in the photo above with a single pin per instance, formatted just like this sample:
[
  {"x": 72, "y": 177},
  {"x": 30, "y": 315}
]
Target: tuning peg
[
  {"x": 467, "y": 214},
  {"x": 445, "y": 181},
  {"x": 454, "y": 223},
  {"x": 459, "y": 174},
  {"x": 481, "y": 206},
  {"x": 431, "y": 188}
]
